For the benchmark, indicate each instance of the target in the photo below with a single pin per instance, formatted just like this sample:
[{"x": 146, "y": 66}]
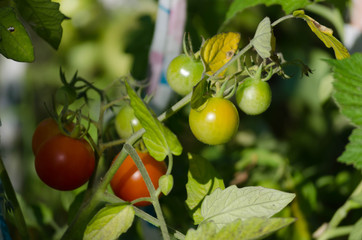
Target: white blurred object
[
  {"x": 166, "y": 44},
  {"x": 353, "y": 30},
  {"x": 11, "y": 85}
]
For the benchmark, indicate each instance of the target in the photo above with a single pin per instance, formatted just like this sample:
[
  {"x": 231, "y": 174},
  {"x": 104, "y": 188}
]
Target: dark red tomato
[
  {"x": 128, "y": 183},
  {"x": 65, "y": 163},
  {"x": 45, "y": 130}
]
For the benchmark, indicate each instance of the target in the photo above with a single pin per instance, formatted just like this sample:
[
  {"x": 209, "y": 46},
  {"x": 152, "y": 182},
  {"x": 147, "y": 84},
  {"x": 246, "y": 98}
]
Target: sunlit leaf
[
  {"x": 225, "y": 206},
  {"x": 347, "y": 75},
  {"x": 325, "y": 34},
  {"x": 44, "y": 18},
  {"x": 238, "y": 6},
  {"x": 166, "y": 184},
  {"x": 202, "y": 181},
  {"x": 356, "y": 233},
  {"x": 159, "y": 140},
  {"x": 252, "y": 228},
  {"x": 218, "y": 50},
  {"x": 262, "y": 41},
  {"x": 110, "y": 222},
  {"x": 14, "y": 40}
]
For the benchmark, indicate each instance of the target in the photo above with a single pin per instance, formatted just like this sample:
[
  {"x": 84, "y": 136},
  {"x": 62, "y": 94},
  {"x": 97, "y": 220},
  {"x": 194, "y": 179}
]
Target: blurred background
[{"x": 293, "y": 146}]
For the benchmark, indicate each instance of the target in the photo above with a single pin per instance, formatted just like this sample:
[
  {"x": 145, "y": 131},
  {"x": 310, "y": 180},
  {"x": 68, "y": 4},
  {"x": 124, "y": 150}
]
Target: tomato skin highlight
[
  {"x": 128, "y": 184},
  {"x": 216, "y": 123},
  {"x": 183, "y": 73},
  {"x": 65, "y": 163}
]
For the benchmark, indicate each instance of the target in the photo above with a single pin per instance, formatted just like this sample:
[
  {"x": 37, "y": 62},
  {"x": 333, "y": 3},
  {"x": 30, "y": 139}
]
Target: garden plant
[{"x": 119, "y": 163}]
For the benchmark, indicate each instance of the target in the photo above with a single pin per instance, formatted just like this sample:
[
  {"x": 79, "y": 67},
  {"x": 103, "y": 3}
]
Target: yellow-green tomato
[
  {"x": 216, "y": 123},
  {"x": 253, "y": 96},
  {"x": 183, "y": 73},
  {"x": 126, "y": 122}
]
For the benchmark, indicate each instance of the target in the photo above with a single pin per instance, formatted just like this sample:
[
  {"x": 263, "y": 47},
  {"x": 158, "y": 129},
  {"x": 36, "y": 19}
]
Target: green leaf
[
  {"x": 356, "y": 233},
  {"x": 240, "y": 5},
  {"x": 14, "y": 40},
  {"x": 252, "y": 228},
  {"x": 225, "y": 206},
  {"x": 110, "y": 222},
  {"x": 159, "y": 140},
  {"x": 44, "y": 18},
  {"x": 205, "y": 231},
  {"x": 166, "y": 184},
  {"x": 202, "y": 181},
  {"x": 347, "y": 75},
  {"x": 325, "y": 34},
  {"x": 262, "y": 41},
  {"x": 353, "y": 153},
  {"x": 200, "y": 94}
]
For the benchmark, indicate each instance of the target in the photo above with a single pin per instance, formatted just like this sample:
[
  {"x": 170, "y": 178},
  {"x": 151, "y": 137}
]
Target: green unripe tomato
[
  {"x": 126, "y": 122},
  {"x": 216, "y": 123},
  {"x": 253, "y": 96},
  {"x": 183, "y": 73},
  {"x": 65, "y": 95}
]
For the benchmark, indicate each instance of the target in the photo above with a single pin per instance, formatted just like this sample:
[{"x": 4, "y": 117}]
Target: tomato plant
[
  {"x": 65, "y": 163},
  {"x": 126, "y": 122},
  {"x": 264, "y": 154},
  {"x": 128, "y": 183},
  {"x": 183, "y": 73},
  {"x": 216, "y": 123},
  {"x": 253, "y": 96}
]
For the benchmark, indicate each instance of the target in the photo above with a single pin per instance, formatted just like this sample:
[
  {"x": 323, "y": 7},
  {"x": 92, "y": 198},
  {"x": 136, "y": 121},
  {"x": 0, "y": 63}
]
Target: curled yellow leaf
[
  {"x": 325, "y": 34},
  {"x": 218, "y": 50}
]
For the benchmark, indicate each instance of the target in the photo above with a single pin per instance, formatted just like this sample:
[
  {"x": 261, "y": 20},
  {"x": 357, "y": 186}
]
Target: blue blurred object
[{"x": 4, "y": 233}]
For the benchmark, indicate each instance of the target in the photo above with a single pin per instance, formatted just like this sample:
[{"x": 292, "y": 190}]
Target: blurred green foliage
[{"x": 292, "y": 147}]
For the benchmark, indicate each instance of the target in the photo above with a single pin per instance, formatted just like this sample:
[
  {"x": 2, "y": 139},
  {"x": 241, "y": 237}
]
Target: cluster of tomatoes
[
  {"x": 217, "y": 120},
  {"x": 61, "y": 161},
  {"x": 66, "y": 163}
]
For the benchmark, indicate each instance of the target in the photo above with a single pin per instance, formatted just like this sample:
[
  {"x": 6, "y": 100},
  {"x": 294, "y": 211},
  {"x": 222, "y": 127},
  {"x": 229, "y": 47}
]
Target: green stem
[
  {"x": 11, "y": 196},
  {"x": 151, "y": 189},
  {"x": 336, "y": 232},
  {"x": 88, "y": 209},
  {"x": 276, "y": 22},
  {"x": 341, "y": 213}
]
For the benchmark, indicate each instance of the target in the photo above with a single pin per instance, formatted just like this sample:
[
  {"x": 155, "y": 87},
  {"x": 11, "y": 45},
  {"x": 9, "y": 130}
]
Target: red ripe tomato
[
  {"x": 65, "y": 163},
  {"x": 128, "y": 183},
  {"x": 45, "y": 130}
]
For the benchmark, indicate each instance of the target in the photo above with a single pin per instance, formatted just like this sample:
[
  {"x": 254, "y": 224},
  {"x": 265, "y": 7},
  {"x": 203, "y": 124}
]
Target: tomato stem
[
  {"x": 333, "y": 230},
  {"x": 137, "y": 160}
]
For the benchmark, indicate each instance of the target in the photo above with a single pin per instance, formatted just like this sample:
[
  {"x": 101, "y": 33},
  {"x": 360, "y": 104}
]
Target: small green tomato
[
  {"x": 126, "y": 122},
  {"x": 253, "y": 96},
  {"x": 183, "y": 73}
]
